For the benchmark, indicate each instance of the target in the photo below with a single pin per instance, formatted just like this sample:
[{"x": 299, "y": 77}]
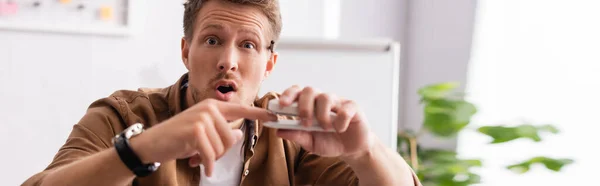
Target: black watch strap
[{"x": 131, "y": 160}]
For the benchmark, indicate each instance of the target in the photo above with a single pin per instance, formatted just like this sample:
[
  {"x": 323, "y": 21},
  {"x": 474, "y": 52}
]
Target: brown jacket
[{"x": 269, "y": 160}]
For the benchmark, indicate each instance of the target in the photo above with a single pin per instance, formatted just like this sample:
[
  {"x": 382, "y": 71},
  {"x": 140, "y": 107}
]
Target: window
[{"x": 536, "y": 61}]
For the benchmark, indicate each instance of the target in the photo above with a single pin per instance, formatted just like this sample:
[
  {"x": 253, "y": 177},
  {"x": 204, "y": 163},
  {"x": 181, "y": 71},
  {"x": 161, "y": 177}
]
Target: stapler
[{"x": 292, "y": 110}]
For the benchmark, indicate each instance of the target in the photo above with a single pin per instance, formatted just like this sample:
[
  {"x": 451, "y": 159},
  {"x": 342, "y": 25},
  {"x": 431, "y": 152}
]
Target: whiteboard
[{"x": 364, "y": 71}]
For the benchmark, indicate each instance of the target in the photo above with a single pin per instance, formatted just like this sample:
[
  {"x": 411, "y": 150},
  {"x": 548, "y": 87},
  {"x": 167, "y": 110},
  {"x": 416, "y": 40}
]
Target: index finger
[{"x": 233, "y": 111}]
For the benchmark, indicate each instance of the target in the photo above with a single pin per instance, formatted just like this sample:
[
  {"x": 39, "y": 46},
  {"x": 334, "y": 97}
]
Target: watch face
[
  {"x": 116, "y": 139},
  {"x": 133, "y": 130}
]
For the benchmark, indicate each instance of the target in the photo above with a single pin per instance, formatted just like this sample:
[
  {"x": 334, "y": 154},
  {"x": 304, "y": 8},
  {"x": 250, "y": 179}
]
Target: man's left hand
[{"x": 352, "y": 137}]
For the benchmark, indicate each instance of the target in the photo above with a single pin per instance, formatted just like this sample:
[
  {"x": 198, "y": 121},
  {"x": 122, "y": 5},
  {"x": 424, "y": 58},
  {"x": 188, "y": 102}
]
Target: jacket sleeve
[
  {"x": 92, "y": 134},
  {"x": 315, "y": 170}
]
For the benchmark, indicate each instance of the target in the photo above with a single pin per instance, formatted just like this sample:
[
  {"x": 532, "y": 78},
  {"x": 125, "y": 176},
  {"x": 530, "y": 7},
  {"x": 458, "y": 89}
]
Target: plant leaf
[
  {"x": 444, "y": 168},
  {"x": 446, "y": 112},
  {"x": 519, "y": 168},
  {"x": 549, "y": 128},
  {"x": 473, "y": 162},
  {"x": 436, "y": 91},
  {"x": 501, "y": 134},
  {"x": 550, "y": 163},
  {"x": 447, "y": 117},
  {"x": 464, "y": 111}
]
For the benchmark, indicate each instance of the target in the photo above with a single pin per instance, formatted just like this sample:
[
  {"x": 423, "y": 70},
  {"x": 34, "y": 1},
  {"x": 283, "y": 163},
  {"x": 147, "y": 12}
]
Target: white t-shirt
[{"x": 227, "y": 170}]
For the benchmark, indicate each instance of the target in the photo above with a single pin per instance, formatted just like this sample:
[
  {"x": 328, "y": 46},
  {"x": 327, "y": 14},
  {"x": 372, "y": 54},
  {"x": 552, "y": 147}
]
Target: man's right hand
[{"x": 200, "y": 132}]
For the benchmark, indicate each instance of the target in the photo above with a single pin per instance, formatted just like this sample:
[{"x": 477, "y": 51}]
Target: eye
[
  {"x": 211, "y": 41},
  {"x": 248, "y": 45}
]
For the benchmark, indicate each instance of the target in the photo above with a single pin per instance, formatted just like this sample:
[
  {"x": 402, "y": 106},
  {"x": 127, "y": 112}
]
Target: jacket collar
[{"x": 176, "y": 95}]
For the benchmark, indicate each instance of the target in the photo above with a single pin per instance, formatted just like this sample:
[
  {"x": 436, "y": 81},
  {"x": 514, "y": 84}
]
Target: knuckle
[
  {"x": 212, "y": 109},
  {"x": 344, "y": 114},
  {"x": 203, "y": 117},
  {"x": 198, "y": 130},
  {"x": 292, "y": 89},
  {"x": 326, "y": 98},
  {"x": 322, "y": 97},
  {"x": 203, "y": 109},
  {"x": 351, "y": 103},
  {"x": 308, "y": 89},
  {"x": 334, "y": 98}
]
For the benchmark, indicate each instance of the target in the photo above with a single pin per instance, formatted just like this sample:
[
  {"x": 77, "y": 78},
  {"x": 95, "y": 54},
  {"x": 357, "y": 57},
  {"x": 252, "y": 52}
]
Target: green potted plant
[{"x": 446, "y": 114}]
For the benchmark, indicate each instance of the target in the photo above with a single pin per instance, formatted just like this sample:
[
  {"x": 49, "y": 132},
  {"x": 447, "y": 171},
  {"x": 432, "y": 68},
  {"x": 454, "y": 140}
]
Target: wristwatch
[{"x": 129, "y": 158}]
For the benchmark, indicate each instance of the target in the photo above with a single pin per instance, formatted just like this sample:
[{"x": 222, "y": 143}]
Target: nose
[{"x": 228, "y": 61}]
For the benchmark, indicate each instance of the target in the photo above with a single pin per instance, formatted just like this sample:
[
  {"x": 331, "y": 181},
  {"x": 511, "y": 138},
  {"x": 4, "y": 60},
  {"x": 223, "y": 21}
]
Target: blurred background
[{"x": 527, "y": 68}]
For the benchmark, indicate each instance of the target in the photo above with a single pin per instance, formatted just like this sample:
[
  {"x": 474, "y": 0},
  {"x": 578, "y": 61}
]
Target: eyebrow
[
  {"x": 213, "y": 26},
  {"x": 242, "y": 30},
  {"x": 250, "y": 31}
]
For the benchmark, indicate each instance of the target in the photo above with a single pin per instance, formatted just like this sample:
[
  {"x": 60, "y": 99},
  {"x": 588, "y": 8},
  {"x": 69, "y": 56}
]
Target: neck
[{"x": 190, "y": 101}]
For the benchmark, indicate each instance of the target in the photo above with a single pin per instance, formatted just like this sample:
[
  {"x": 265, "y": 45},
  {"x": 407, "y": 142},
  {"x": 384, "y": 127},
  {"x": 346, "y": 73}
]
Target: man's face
[{"x": 227, "y": 58}]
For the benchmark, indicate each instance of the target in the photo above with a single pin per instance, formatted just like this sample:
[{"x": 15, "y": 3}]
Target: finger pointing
[{"x": 233, "y": 111}]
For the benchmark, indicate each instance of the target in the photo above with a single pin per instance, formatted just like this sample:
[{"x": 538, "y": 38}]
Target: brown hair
[{"x": 269, "y": 7}]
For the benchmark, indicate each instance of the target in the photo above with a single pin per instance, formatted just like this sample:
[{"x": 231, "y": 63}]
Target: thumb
[
  {"x": 195, "y": 160},
  {"x": 302, "y": 138}
]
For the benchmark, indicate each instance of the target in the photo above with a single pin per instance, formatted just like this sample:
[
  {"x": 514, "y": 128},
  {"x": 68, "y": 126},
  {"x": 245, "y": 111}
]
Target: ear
[
  {"x": 185, "y": 50},
  {"x": 271, "y": 64}
]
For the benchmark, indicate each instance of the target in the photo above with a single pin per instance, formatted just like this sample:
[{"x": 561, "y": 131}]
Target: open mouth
[
  {"x": 225, "y": 89},
  {"x": 225, "y": 86}
]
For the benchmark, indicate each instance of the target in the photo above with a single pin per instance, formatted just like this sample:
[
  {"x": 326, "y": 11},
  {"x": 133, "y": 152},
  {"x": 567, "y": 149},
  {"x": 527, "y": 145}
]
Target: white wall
[
  {"x": 303, "y": 18},
  {"x": 123, "y": 63},
  {"x": 373, "y": 19},
  {"x": 436, "y": 43},
  {"x": 437, "y": 49}
]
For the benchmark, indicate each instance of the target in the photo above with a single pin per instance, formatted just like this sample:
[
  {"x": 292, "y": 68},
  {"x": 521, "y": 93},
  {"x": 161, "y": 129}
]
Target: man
[{"x": 206, "y": 129}]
